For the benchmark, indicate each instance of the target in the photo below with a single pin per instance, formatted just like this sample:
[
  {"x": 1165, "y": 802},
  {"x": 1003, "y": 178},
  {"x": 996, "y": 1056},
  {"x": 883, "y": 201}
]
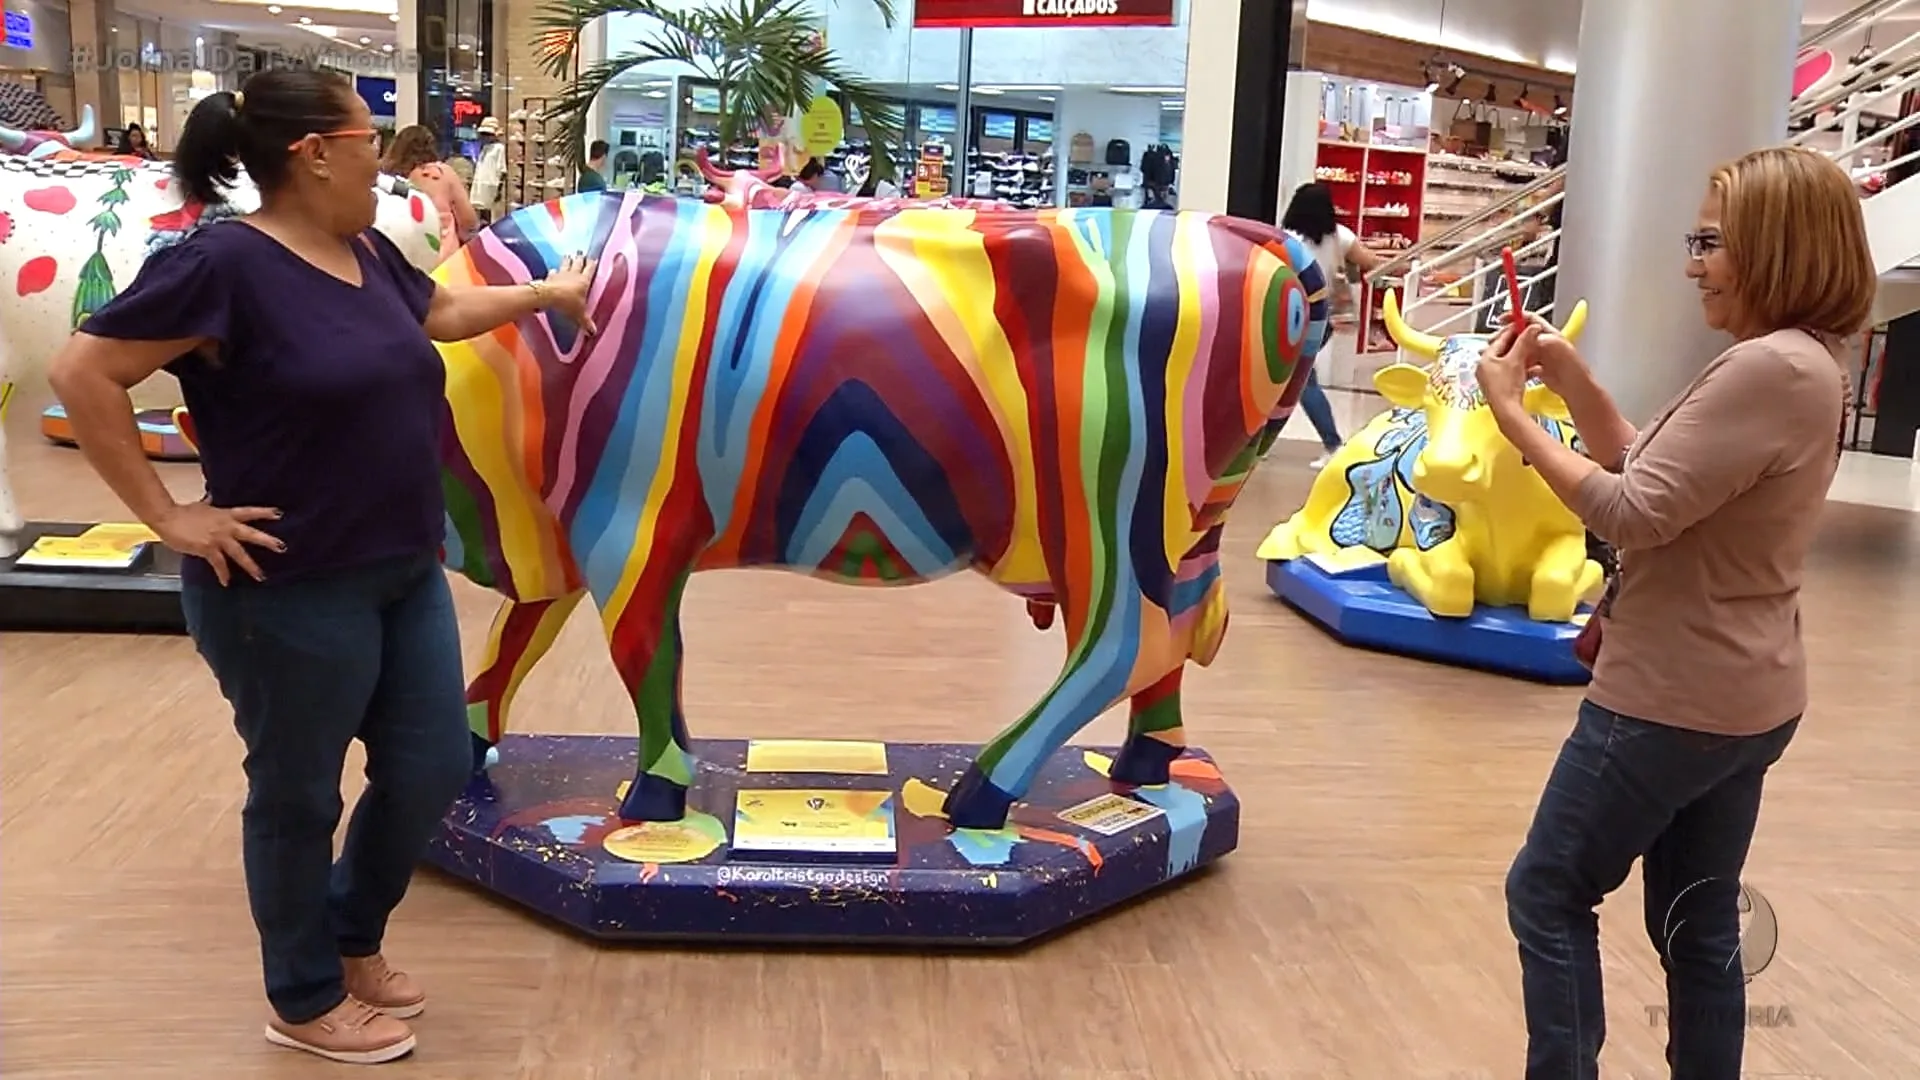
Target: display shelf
[
  {"x": 537, "y": 170},
  {"x": 1379, "y": 191}
]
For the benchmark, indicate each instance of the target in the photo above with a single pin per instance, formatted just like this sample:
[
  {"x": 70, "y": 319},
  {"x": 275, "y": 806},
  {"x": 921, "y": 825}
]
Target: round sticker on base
[{"x": 690, "y": 839}]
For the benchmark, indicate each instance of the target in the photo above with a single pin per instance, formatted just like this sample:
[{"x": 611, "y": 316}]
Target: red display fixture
[
  {"x": 1046, "y": 14},
  {"x": 1377, "y": 191}
]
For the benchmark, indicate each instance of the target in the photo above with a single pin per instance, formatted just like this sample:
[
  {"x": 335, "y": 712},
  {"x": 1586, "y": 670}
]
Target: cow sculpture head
[
  {"x": 40, "y": 144},
  {"x": 1466, "y": 459}
]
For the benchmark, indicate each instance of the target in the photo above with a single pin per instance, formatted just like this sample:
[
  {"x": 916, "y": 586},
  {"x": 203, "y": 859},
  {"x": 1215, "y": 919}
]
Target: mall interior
[{"x": 1331, "y": 903}]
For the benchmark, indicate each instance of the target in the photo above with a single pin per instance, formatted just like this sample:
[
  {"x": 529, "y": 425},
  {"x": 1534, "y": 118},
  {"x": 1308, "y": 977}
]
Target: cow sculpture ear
[
  {"x": 1402, "y": 384},
  {"x": 1540, "y": 401}
]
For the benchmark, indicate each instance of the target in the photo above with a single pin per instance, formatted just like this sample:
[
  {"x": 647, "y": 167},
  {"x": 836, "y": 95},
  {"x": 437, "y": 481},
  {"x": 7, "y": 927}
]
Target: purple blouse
[{"x": 326, "y": 400}]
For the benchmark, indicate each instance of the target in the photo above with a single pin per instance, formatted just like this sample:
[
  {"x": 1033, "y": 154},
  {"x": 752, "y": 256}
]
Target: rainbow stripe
[{"x": 1066, "y": 401}]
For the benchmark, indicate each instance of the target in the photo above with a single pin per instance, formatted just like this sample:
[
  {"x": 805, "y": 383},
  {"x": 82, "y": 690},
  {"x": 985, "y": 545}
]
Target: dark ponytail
[{"x": 274, "y": 109}]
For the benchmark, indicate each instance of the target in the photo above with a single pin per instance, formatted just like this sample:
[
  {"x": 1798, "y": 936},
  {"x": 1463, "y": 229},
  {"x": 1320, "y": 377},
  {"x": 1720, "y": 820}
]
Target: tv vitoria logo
[{"x": 1067, "y": 9}]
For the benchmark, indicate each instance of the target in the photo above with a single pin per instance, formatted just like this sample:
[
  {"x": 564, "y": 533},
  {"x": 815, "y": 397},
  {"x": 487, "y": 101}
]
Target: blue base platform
[
  {"x": 541, "y": 827},
  {"x": 1363, "y": 607}
]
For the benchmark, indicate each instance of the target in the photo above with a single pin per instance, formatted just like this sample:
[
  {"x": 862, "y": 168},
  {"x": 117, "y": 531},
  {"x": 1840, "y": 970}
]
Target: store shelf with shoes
[{"x": 536, "y": 169}]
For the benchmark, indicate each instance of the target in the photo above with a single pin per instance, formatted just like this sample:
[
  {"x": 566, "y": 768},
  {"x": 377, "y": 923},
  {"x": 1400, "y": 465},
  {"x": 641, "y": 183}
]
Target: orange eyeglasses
[{"x": 371, "y": 135}]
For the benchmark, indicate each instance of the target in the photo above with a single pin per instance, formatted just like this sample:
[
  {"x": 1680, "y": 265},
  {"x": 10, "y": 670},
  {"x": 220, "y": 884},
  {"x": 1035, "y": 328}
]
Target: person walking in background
[
  {"x": 415, "y": 154},
  {"x": 1699, "y": 670},
  {"x": 1310, "y": 216},
  {"x": 490, "y": 172},
  {"x": 593, "y": 173}
]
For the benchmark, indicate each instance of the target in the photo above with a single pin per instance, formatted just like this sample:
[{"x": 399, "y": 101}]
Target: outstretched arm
[{"x": 459, "y": 312}]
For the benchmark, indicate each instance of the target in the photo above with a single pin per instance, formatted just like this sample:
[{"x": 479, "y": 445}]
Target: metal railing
[{"x": 1469, "y": 244}]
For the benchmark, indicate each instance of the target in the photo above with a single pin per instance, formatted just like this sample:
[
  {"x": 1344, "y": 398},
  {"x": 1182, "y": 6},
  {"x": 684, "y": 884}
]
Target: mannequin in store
[
  {"x": 310, "y": 573},
  {"x": 1310, "y": 216},
  {"x": 415, "y": 155}
]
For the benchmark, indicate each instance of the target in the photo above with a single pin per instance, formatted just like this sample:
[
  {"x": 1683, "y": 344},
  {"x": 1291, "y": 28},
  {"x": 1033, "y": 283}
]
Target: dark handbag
[{"x": 1586, "y": 646}]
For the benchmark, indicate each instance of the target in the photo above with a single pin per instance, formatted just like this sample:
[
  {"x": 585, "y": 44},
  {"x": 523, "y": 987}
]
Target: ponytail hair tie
[{"x": 239, "y": 99}]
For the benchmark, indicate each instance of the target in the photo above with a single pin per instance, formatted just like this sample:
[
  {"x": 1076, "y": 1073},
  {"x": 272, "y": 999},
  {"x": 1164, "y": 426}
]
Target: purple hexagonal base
[{"x": 533, "y": 830}]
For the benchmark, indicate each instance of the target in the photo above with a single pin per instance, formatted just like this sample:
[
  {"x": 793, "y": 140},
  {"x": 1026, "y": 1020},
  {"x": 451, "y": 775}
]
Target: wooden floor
[{"x": 1358, "y": 932}]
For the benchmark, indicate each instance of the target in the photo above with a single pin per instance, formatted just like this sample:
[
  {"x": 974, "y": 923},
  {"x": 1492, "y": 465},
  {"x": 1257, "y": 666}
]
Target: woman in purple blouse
[{"x": 303, "y": 343}]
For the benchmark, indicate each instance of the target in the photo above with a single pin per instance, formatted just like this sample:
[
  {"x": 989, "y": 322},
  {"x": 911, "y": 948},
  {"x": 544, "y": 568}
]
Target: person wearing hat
[{"x": 490, "y": 174}]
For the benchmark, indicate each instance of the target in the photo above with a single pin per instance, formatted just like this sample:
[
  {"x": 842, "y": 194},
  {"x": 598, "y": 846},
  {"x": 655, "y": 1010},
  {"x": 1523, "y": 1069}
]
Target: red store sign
[{"x": 1043, "y": 13}]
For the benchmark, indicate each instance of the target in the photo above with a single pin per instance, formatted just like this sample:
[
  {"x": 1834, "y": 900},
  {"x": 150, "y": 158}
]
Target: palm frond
[{"x": 767, "y": 58}]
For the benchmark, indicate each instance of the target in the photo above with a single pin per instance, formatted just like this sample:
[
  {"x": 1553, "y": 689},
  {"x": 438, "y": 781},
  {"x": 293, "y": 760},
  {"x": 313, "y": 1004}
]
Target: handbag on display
[{"x": 1080, "y": 149}]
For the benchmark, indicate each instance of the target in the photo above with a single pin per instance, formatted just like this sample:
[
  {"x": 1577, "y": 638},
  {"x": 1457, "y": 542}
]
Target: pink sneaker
[
  {"x": 392, "y": 992},
  {"x": 354, "y": 1032}
]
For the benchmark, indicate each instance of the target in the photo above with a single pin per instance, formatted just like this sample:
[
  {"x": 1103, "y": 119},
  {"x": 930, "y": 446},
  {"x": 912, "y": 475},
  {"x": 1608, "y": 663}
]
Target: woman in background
[
  {"x": 133, "y": 143},
  {"x": 1701, "y": 677},
  {"x": 1310, "y": 216},
  {"x": 415, "y": 155}
]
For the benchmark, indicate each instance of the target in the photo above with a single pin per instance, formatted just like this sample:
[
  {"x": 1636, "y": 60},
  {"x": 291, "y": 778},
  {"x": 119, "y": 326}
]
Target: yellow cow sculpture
[{"x": 1432, "y": 485}]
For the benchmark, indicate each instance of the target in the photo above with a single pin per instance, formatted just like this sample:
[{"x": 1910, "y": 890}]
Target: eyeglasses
[
  {"x": 1699, "y": 244},
  {"x": 371, "y": 136}
]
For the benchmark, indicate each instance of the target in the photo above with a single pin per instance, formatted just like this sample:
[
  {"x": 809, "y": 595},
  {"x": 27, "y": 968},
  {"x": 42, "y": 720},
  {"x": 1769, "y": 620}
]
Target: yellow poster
[
  {"x": 822, "y": 126},
  {"x": 813, "y": 819},
  {"x": 817, "y": 756},
  {"x": 690, "y": 839}
]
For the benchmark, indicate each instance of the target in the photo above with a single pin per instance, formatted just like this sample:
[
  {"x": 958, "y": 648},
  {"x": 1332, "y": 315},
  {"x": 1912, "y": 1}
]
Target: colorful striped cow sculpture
[{"x": 1064, "y": 401}]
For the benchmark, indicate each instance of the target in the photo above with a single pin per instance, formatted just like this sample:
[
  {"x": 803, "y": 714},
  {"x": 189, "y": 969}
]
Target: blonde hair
[{"x": 1790, "y": 220}]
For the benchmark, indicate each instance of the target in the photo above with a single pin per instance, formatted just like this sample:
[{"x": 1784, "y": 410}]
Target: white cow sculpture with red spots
[{"x": 76, "y": 225}]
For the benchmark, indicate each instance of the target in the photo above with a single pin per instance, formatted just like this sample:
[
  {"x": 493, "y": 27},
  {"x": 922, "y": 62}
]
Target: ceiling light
[
  {"x": 364, "y": 40},
  {"x": 393, "y": 18},
  {"x": 304, "y": 21},
  {"x": 386, "y": 48},
  {"x": 273, "y": 9}
]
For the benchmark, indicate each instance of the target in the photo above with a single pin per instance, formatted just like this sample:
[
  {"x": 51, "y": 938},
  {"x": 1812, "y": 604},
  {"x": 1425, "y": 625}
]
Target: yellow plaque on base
[
  {"x": 813, "y": 819},
  {"x": 1346, "y": 560},
  {"x": 816, "y": 756},
  {"x": 107, "y": 546}
]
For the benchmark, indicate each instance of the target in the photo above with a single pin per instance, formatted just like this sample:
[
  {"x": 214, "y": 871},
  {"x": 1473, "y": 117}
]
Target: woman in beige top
[
  {"x": 415, "y": 154},
  {"x": 1701, "y": 678}
]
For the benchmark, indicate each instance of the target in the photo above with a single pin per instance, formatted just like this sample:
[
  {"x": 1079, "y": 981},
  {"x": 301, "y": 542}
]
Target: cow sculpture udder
[
  {"x": 1064, "y": 401},
  {"x": 1433, "y": 485}
]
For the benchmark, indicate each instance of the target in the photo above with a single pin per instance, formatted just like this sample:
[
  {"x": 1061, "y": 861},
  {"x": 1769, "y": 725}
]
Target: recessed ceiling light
[
  {"x": 464, "y": 47},
  {"x": 386, "y": 48},
  {"x": 393, "y": 18},
  {"x": 273, "y": 9},
  {"x": 364, "y": 40},
  {"x": 304, "y": 21}
]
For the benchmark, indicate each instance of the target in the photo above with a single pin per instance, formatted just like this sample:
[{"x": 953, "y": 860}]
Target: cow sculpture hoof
[
  {"x": 975, "y": 803},
  {"x": 654, "y": 798},
  {"x": 1145, "y": 762}
]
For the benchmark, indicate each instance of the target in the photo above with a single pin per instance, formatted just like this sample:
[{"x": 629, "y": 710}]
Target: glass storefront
[
  {"x": 458, "y": 68},
  {"x": 1055, "y": 116}
]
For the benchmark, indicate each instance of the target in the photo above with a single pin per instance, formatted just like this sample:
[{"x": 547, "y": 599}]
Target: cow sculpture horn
[
  {"x": 707, "y": 169},
  {"x": 1429, "y": 346},
  {"x": 83, "y": 133},
  {"x": 1406, "y": 336}
]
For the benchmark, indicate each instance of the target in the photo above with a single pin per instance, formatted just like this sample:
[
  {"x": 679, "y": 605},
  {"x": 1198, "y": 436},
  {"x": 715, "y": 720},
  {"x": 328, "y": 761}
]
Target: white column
[
  {"x": 593, "y": 50},
  {"x": 407, "y": 63},
  {"x": 1206, "y": 136},
  {"x": 1667, "y": 91}
]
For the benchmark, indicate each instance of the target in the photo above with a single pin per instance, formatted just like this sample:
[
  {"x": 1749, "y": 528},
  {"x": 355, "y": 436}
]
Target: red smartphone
[{"x": 1516, "y": 314}]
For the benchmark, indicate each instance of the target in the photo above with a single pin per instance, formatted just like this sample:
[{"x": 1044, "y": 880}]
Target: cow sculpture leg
[
  {"x": 648, "y": 652},
  {"x": 1562, "y": 578},
  {"x": 1156, "y": 734},
  {"x": 1441, "y": 578},
  {"x": 522, "y": 632},
  {"x": 11, "y": 523}
]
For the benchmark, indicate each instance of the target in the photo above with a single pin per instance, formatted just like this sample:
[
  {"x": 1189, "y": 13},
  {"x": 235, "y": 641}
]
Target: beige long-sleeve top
[{"x": 1712, "y": 514}]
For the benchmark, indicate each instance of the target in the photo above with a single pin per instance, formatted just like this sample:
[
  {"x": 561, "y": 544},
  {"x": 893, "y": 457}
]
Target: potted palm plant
[{"x": 766, "y": 57}]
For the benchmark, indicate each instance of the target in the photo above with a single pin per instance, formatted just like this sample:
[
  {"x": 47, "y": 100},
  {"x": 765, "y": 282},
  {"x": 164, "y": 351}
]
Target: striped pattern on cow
[{"x": 1065, "y": 401}]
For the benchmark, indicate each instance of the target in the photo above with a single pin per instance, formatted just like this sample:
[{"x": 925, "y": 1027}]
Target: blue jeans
[
  {"x": 1313, "y": 402},
  {"x": 1685, "y": 803},
  {"x": 371, "y": 653}
]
